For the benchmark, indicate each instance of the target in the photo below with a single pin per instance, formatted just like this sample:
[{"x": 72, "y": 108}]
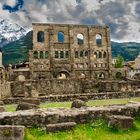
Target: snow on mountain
[{"x": 10, "y": 31}]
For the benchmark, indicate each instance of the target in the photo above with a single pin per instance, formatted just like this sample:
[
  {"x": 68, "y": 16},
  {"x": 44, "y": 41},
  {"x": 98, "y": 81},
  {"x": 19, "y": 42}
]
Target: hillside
[{"x": 17, "y": 51}]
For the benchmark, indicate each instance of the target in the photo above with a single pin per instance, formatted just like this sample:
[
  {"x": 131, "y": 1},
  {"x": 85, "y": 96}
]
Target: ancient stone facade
[
  {"x": 70, "y": 51},
  {"x": 66, "y": 60}
]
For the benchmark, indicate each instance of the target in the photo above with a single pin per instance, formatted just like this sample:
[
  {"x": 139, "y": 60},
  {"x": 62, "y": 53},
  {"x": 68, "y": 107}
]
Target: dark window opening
[
  {"x": 56, "y": 54},
  {"x": 76, "y": 54},
  {"x": 40, "y": 36},
  {"x": 61, "y": 54},
  {"x": 86, "y": 54},
  {"x": 81, "y": 54},
  {"x": 95, "y": 55},
  {"x": 100, "y": 55},
  {"x": 35, "y": 54},
  {"x": 67, "y": 54},
  {"x": 41, "y": 55},
  {"x": 104, "y": 55},
  {"x": 46, "y": 54}
]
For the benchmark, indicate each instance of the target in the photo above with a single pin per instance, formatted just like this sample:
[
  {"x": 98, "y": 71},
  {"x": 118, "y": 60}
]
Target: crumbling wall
[{"x": 42, "y": 117}]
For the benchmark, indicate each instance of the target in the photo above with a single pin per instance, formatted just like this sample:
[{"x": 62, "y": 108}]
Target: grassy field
[
  {"x": 12, "y": 107},
  {"x": 91, "y": 131}
]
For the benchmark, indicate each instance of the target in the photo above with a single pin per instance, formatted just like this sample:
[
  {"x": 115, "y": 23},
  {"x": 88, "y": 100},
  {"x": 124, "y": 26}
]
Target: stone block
[
  {"x": 78, "y": 104},
  {"x": 26, "y": 106},
  {"x": 12, "y": 132},
  {"x": 1, "y": 103},
  {"x": 2, "y": 109},
  {"x": 60, "y": 126},
  {"x": 31, "y": 101},
  {"x": 120, "y": 122}
]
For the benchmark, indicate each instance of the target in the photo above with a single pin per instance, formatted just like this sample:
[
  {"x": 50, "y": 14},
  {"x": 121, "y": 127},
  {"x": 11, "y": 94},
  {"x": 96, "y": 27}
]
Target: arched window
[
  {"x": 40, "y": 36},
  {"x": 95, "y": 55},
  {"x": 81, "y": 54},
  {"x": 41, "y": 55},
  {"x": 60, "y": 37},
  {"x": 67, "y": 54},
  {"x": 95, "y": 65},
  {"x": 86, "y": 53},
  {"x": 36, "y": 54},
  {"x": 80, "y": 39},
  {"x": 56, "y": 54},
  {"x": 46, "y": 54},
  {"x": 98, "y": 40},
  {"x": 61, "y": 54},
  {"x": 101, "y": 76},
  {"x": 118, "y": 75},
  {"x": 76, "y": 54},
  {"x": 104, "y": 54},
  {"x": 100, "y": 55}
]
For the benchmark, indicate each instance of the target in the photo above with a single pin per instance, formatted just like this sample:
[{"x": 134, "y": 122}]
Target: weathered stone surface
[
  {"x": 12, "y": 132},
  {"x": 31, "y": 101},
  {"x": 60, "y": 126},
  {"x": 120, "y": 122},
  {"x": 43, "y": 117},
  {"x": 83, "y": 98},
  {"x": 2, "y": 109},
  {"x": 26, "y": 106},
  {"x": 1, "y": 103},
  {"x": 78, "y": 103}
]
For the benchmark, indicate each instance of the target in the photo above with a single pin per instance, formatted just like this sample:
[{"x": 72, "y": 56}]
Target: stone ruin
[{"x": 66, "y": 60}]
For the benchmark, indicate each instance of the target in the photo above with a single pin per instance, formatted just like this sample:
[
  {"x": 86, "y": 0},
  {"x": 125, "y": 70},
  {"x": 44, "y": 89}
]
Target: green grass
[
  {"x": 91, "y": 131},
  {"x": 12, "y": 108}
]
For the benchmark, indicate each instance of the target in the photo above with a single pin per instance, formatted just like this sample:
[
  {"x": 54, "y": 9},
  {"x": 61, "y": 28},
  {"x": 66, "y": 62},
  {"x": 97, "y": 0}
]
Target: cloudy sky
[{"x": 122, "y": 16}]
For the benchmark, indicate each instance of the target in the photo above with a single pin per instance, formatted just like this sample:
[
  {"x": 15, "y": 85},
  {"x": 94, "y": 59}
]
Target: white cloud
[
  {"x": 11, "y": 3},
  {"x": 120, "y": 15}
]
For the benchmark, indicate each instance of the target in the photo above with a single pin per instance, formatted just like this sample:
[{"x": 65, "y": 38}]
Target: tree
[{"x": 119, "y": 62}]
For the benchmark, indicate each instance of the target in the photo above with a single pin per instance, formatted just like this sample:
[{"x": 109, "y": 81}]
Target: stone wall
[
  {"x": 71, "y": 97},
  {"x": 43, "y": 117},
  {"x": 69, "y": 86},
  {"x": 5, "y": 89}
]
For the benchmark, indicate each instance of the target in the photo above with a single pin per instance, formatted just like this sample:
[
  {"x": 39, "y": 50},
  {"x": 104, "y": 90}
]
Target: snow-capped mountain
[{"x": 10, "y": 32}]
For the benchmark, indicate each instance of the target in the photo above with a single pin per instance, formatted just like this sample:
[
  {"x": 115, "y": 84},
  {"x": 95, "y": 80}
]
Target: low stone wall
[
  {"x": 43, "y": 117},
  {"x": 71, "y": 97},
  {"x": 69, "y": 86}
]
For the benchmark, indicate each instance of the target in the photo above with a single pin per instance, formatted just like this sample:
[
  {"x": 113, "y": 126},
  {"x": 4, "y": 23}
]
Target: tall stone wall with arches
[{"x": 79, "y": 50}]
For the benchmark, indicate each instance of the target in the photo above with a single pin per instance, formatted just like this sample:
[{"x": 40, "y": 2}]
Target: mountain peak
[{"x": 10, "y": 31}]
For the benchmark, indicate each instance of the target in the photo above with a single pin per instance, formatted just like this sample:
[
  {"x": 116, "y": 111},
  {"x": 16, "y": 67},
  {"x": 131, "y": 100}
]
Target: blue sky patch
[{"x": 18, "y": 6}]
